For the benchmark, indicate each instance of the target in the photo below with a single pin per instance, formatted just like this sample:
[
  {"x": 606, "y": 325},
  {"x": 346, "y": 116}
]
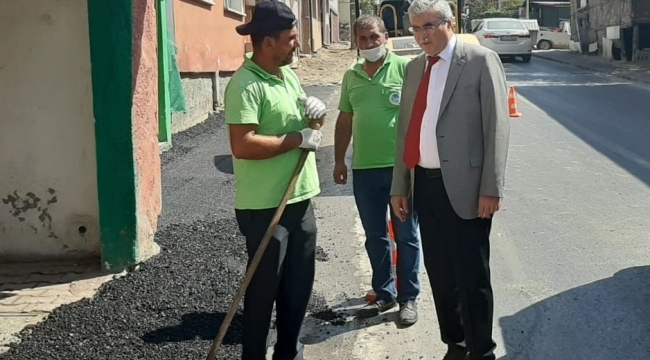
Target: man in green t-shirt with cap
[
  {"x": 268, "y": 116},
  {"x": 369, "y": 105}
]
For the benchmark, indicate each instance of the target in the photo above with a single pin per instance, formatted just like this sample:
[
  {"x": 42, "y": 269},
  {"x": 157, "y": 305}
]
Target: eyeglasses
[{"x": 425, "y": 28}]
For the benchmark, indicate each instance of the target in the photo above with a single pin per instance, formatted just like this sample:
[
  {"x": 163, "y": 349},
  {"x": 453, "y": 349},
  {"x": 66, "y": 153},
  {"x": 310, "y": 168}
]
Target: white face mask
[{"x": 374, "y": 54}]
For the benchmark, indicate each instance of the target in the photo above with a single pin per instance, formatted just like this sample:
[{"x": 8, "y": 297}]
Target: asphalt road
[{"x": 570, "y": 248}]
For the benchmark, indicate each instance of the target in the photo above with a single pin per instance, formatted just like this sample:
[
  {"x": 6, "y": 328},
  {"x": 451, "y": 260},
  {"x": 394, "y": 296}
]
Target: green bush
[{"x": 496, "y": 13}]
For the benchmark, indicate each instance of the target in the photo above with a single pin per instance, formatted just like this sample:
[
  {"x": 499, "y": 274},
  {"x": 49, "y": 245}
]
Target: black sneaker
[
  {"x": 408, "y": 313},
  {"x": 456, "y": 352},
  {"x": 376, "y": 308}
]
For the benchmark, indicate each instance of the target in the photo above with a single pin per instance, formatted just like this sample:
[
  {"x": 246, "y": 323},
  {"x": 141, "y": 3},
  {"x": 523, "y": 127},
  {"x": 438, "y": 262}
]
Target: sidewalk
[
  {"x": 631, "y": 71},
  {"x": 30, "y": 292}
]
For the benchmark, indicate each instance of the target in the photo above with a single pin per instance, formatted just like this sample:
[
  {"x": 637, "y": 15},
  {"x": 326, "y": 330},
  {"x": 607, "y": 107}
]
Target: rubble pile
[{"x": 170, "y": 308}]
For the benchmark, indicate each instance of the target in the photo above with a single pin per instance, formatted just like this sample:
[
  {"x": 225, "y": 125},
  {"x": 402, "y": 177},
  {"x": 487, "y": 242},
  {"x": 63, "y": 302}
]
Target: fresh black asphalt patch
[{"x": 171, "y": 307}]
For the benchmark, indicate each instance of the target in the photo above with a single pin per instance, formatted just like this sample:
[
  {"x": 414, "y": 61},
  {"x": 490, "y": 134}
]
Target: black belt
[{"x": 433, "y": 173}]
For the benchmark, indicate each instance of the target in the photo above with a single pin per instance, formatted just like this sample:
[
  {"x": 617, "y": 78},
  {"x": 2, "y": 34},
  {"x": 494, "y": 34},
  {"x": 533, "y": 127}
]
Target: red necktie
[{"x": 412, "y": 141}]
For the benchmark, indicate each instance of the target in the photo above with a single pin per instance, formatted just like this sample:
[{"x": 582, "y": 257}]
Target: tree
[
  {"x": 512, "y": 6},
  {"x": 481, "y": 9},
  {"x": 367, "y": 7}
]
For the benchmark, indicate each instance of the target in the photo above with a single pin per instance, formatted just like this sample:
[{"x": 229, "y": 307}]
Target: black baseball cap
[{"x": 269, "y": 16}]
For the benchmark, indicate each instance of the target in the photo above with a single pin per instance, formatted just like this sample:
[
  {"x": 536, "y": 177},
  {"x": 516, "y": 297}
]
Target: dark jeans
[
  {"x": 284, "y": 276},
  {"x": 456, "y": 255},
  {"x": 372, "y": 196}
]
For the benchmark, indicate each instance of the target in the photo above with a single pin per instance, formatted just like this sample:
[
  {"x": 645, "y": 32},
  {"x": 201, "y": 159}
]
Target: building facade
[
  {"x": 209, "y": 50},
  {"x": 79, "y": 131},
  {"x": 550, "y": 13},
  {"x": 616, "y": 28},
  {"x": 91, "y": 92}
]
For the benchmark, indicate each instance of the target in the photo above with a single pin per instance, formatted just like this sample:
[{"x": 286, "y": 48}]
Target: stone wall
[
  {"x": 604, "y": 13},
  {"x": 591, "y": 22},
  {"x": 204, "y": 93}
]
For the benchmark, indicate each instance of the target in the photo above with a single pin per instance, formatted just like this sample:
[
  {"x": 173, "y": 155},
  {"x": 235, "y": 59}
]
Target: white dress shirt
[{"x": 429, "y": 157}]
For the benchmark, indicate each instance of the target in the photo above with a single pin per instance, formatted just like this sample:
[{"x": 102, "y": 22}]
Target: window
[
  {"x": 504, "y": 25},
  {"x": 209, "y": 2},
  {"x": 236, "y": 6}
]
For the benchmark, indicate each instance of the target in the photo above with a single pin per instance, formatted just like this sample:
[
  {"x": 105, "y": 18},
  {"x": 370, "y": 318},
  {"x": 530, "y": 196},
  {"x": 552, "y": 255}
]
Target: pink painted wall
[
  {"x": 145, "y": 124},
  {"x": 206, "y": 37}
]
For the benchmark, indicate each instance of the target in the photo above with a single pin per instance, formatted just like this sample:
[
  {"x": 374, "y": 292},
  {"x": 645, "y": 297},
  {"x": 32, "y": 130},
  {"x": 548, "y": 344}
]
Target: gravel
[{"x": 170, "y": 308}]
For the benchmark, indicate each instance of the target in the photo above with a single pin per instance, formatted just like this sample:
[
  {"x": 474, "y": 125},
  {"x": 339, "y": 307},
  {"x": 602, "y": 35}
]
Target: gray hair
[
  {"x": 368, "y": 22},
  {"x": 440, "y": 7}
]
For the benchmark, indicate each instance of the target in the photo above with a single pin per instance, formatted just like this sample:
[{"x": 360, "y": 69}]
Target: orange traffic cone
[
  {"x": 391, "y": 234},
  {"x": 371, "y": 296},
  {"x": 512, "y": 103}
]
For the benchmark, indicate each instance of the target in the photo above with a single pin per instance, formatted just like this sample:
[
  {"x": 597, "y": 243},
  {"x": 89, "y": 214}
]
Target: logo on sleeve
[{"x": 395, "y": 98}]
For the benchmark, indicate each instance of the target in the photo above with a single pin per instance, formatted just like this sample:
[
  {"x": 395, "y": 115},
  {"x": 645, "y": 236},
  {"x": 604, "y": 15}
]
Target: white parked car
[{"x": 507, "y": 37}]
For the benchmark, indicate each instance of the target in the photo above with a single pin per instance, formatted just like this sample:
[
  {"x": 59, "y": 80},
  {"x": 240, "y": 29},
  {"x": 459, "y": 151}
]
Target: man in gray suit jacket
[{"x": 451, "y": 157}]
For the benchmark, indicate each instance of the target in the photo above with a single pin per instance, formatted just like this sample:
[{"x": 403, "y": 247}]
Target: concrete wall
[
  {"x": 592, "y": 21},
  {"x": 198, "y": 100},
  {"x": 317, "y": 25},
  {"x": 335, "y": 27},
  {"x": 312, "y": 28},
  {"x": 145, "y": 127},
  {"x": 604, "y": 13},
  {"x": 48, "y": 185},
  {"x": 209, "y": 50},
  {"x": 344, "y": 11}
]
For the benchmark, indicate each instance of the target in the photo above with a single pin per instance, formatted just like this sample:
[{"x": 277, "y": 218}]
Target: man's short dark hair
[
  {"x": 258, "y": 38},
  {"x": 364, "y": 22}
]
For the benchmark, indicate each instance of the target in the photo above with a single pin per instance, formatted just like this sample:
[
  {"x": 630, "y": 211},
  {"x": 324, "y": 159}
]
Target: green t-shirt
[
  {"x": 375, "y": 106},
  {"x": 253, "y": 96}
]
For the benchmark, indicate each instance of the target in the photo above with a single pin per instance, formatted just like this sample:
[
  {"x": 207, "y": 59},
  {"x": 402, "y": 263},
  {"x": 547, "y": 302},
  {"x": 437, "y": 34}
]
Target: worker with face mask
[{"x": 369, "y": 106}]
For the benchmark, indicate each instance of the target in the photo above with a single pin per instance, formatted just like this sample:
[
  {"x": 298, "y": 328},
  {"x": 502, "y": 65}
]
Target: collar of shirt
[{"x": 256, "y": 69}]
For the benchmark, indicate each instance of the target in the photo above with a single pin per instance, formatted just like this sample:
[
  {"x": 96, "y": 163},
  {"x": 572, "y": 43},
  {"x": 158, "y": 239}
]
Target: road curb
[{"x": 584, "y": 67}]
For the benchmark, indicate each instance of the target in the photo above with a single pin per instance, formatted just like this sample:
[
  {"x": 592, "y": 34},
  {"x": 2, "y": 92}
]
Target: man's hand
[
  {"x": 400, "y": 205},
  {"x": 487, "y": 206},
  {"x": 311, "y": 138},
  {"x": 314, "y": 108},
  {"x": 340, "y": 173}
]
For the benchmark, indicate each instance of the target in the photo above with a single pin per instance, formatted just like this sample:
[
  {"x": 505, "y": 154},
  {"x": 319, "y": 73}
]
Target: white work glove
[
  {"x": 311, "y": 138},
  {"x": 314, "y": 108}
]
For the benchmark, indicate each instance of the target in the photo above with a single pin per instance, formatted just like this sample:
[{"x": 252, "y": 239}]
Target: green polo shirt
[
  {"x": 254, "y": 96},
  {"x": 375, "y": 106}
]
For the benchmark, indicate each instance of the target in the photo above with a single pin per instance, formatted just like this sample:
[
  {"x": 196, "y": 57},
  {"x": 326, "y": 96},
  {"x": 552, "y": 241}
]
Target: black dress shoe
[
  {"x": 376, "y": 308},
  {"x": 456, "y": 352}
]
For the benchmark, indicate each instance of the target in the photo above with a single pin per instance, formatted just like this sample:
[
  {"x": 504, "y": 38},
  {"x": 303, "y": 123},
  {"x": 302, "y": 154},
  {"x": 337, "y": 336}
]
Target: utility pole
[
  {"x": 527, "y": 9},
  {"x": 357, "y": 12}
]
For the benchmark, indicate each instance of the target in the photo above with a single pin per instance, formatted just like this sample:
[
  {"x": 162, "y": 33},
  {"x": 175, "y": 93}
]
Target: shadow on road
[
  {"x": 317, "y": 332},
  {"x": 197, "y": 325},
  {"x": 573, "y": 324},
  {"x": 609, "y": 116},
  {"x": 223, "y": 163}
]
